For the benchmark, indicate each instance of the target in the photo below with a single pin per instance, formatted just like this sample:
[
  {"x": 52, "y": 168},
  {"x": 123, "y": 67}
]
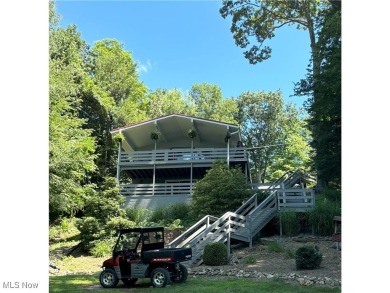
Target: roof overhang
[{"x": 174, "y": 133}]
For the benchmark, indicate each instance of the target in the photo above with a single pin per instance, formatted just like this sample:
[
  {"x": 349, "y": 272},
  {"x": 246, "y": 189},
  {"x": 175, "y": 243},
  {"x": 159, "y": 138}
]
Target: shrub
[
  {"x": 290, "y": 225},
  {"x": 308, "y": 257},
  {"x": 215, "y": 254},
  {"x": 222, "y": 189},
  {"x": 274, "y": 247}
]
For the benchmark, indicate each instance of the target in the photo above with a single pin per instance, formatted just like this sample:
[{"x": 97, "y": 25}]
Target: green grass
[{"x": 90, "y": 283}]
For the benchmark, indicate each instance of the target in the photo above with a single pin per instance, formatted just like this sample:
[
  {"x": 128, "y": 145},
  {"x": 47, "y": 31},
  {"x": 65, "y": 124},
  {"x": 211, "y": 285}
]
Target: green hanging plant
[
  {"x": 155, "y": 135},
  {"x": 192, "y": 133},
  {"x": 119, "y": 137}
]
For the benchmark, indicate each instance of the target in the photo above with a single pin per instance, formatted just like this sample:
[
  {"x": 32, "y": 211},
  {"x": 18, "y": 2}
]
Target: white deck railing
[
  {"x": 160, "y": 189},
  {"x": 177, "y": 156}
]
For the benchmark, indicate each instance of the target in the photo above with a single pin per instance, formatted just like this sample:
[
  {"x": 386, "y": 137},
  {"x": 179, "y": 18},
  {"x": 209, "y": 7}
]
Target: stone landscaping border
[{"x": 239, "y": 273}]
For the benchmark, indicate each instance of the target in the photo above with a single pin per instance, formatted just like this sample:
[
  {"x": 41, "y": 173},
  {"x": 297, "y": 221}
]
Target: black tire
[
  {"x": 182, "y": 275},
  {"x": 129, "y": 282},
  {"x": 108, "y": 278},
  {"x": 160, "y": 277}
]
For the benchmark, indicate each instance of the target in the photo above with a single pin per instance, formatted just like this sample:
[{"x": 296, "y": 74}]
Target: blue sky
[{"x": 180, "y": 43}]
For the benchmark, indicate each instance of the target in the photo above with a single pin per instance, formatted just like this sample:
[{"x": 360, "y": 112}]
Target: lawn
[{"x": 88, "y": 283}]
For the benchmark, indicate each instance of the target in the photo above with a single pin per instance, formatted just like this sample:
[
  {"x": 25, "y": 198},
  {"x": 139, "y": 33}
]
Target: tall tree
[
  {"x": 272, "y": 131},
  {"x": 210, "y": 104},
  {"x": 163, "y": 102},
  {"x": 295, "y": 151},
  {"x": 324, "y": 106},
  {"x": 112, "y": 96},
  {"x": 257, "y": 20},
  {"x": 71, "y": 147}
]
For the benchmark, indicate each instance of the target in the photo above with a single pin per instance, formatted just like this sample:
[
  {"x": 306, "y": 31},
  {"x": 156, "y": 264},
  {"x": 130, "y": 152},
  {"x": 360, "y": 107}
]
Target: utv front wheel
[
  {"x": 108, "y": 278},
  {"x": 160, "y": 277},
  {"x": 182, "y": 275}
]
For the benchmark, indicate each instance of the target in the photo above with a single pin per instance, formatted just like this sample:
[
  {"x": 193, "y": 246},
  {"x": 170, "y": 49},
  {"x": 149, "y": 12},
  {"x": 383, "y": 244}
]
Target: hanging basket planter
[
  {"x": 155, "y": 135},
  {"x": 119, "y": 137},
  {"x": 192, "y": 133}
]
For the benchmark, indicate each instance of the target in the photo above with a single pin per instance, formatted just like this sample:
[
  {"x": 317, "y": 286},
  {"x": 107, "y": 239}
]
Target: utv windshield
[{"x": 128, "y": 241}]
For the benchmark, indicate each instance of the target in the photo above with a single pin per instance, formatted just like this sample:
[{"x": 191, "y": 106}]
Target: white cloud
[{"x": 144, "y": 67}]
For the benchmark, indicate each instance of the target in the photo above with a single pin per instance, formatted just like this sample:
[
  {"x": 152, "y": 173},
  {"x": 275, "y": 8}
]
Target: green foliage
[
  {"x": 137, "y": 215},
  {"x": 321, "y": 217},
  {"x": 308, "y": 257},
  {"x": 117, "y": 223},
  {"x": 210, "y": 104},
  {"x": 258, "y": 22},
  {"x": 215, "y": 254},
  {"x": 90, "y": 229},
  {"x": 65, "y": 229},
  {"x": 275, "y": 131},
  {"x": 274, "y": 246},
  {"x": 173, "y": 216},
  {"x": 164, "y": 102},
  {"x": 222, "y": 189},
  {"x": 290, "y": 224},
  {"x": 71, "y": 146},
  {"x": 324, "y": 104},
  {"x": 332, "y": 194},
  {"x": 100, "y": 248}
]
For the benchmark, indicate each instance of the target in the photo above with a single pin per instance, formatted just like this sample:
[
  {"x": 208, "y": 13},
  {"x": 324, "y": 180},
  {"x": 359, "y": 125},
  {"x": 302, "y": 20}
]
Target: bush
[
  {"x": 290, "y": 224},
  {"x": 215, "y": 254},
  {"x": 308, "y": 257},
  {"x": 221, "y": 190}
]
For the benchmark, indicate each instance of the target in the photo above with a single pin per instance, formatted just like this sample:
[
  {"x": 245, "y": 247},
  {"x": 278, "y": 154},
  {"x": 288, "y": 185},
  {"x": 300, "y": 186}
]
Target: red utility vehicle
[{"x": 140, "y": 253}]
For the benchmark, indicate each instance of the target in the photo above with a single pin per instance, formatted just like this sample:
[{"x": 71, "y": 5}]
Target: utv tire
[
  {"x": 182, "y": 275},
  {"x": 108, "y": 278},
  {"x": 129, "y": 282},
  {"x": 160, "y": 277}
]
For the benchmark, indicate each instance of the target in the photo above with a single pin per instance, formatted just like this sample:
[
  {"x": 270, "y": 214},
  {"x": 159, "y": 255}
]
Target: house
[{"x": 160, "y": 160}]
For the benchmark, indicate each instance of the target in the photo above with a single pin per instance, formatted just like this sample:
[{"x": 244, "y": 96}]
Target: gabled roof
[{"x": 174, "y": 133}]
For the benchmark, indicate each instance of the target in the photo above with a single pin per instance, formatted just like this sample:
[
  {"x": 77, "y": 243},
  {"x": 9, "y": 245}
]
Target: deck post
[
  {"x": 228, "y": 241},
  {"x": 250, "y": 231},
  {"x": 280, "y": 223},
  {"x": 118, "y": 166}
]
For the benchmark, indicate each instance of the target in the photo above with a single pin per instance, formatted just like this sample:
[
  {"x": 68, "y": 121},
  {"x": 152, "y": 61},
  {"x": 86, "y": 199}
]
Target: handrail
[
  {"x": 206, "y": 219},
  {"x": 252, "y": 198},
  {"x": 215, "y": 224}
]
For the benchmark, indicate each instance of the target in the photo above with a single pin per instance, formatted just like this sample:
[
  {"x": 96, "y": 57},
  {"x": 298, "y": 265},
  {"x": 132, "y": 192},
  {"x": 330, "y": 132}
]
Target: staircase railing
[
  {"x": 246, "y": 221},
  {"x": 193, "y": 231}
]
